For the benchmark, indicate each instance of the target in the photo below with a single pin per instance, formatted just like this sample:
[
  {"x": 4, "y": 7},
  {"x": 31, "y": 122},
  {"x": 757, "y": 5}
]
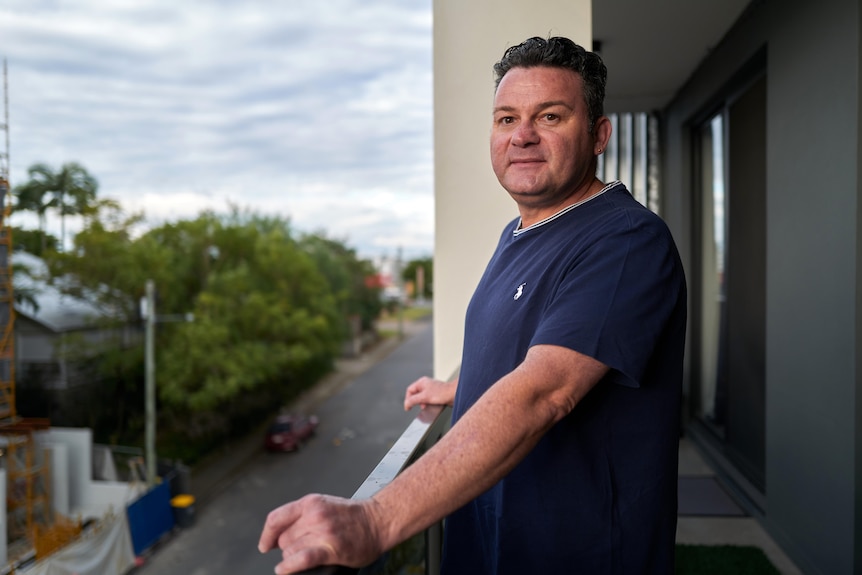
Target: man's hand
[
  {"x": 323, "y": 530},
  {"x": 427, "y": 391}
]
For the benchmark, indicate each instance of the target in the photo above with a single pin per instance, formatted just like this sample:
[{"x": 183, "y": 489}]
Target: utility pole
[
  {"x": 151, "y": 318},
  {"x": 6, "y": 114},
  {"x": 399, "y": 281},
  {"x": 150, "y": 393},
  {"x": 420, "y": 283}
]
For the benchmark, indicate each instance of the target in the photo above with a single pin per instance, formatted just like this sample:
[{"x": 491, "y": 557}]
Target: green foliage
[
  {"x": 71, "y": 190},
  {"x": 269, "y": 318},
  {"x": 410, "y": 274},
  {"x": 270, "y": 311},
  {"x": 32, "y": 241},
  {"x": 25, "y": 295},
  {"x": 347, "y": 276},
  {"x": 107, "y": 264}
]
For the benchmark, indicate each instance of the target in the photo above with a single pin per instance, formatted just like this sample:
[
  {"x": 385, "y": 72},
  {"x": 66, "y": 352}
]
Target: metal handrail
[{"x": 423, "y": 432}]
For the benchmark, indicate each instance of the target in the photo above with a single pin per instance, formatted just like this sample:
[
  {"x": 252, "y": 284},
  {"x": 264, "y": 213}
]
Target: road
[{"x": 358, "y": 425}]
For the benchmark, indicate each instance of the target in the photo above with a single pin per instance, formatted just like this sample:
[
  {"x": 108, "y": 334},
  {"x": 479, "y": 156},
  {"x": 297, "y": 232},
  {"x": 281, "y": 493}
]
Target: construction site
[
  {"x": 59, "y": 519},
  {"x": 32, "y": 526}
]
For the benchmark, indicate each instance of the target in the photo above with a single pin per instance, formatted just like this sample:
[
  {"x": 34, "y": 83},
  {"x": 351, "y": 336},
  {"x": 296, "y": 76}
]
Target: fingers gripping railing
[{"x": 424, "y": 549}]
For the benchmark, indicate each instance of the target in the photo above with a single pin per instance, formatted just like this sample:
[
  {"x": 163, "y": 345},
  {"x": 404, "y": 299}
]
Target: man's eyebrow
[
  {"x": 553, "y": 103},
  {"x": 542, "y": 106}
]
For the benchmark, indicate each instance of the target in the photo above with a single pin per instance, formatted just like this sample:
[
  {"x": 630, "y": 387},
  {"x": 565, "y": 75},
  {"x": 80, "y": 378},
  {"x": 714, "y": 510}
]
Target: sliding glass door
[{"x": 730, "y": 298}]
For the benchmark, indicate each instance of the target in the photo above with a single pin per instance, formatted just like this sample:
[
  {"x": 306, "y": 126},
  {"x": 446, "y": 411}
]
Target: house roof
[{"x": 55, "y": 310}]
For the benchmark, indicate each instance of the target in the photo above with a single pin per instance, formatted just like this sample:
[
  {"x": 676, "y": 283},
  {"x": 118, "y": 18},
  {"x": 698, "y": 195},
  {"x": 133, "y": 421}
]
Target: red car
[{"x": 288, "y": 431}]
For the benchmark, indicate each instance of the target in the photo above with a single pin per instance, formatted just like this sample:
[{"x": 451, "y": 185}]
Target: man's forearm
[{"x": 484, "y": 445}]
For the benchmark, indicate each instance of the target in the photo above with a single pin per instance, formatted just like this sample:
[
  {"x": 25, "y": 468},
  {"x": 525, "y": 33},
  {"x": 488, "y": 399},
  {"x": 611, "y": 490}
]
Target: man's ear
[{"x": 602, "y": 133}]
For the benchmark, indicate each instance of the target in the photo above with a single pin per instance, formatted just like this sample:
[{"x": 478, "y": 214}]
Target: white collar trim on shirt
[{"x": 518, "y": 230}]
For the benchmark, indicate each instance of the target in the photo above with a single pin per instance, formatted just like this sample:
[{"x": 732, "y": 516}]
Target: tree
[
  {"x": 268, "y": 316},
  {"x": 108, "y": 266},
  {"x": 265, "y": 320},
  {"x": 266, "y": 323},
  {"x": 347, "y": 277},
  {"x": 410, "y": 273},
  {"x": 69, "y": 191},
  {"x": 35, "y": 242}
]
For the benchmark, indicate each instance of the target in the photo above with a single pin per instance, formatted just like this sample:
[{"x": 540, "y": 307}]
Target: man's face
[{"x": 541, "y": 149}]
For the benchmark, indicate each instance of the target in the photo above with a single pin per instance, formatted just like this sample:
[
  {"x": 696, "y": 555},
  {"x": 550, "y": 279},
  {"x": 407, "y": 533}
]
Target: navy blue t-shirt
[{"x": 597, "y": 495}]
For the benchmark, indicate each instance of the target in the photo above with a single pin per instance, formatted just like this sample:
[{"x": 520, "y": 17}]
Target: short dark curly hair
[{"x": 559, "y": 52}]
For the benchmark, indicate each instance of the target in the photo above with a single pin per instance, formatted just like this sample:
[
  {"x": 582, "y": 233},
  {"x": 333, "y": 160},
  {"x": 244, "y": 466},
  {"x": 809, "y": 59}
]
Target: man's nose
[{"x": 525, "y": 134}]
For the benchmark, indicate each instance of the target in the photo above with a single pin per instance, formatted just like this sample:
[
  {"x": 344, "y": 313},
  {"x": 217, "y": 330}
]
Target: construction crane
[
  {"x": 30, "y": 521},
  {"x": 7, "y": 307}
]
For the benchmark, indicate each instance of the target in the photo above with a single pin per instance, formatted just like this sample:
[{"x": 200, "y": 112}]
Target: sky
[{"x": 319, "y": 111}]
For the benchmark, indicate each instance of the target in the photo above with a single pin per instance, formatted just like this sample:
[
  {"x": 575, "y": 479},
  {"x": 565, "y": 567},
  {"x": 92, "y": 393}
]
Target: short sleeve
[{"x": 616, "y": 296}]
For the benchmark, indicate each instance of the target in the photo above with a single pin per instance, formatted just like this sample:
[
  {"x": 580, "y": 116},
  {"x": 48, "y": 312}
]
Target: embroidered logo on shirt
[{"x": 520, "y": 291}]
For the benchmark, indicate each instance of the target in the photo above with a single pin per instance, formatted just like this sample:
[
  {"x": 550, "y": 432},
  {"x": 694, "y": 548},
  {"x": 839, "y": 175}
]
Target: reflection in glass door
[{"x": 713, "y": 253}]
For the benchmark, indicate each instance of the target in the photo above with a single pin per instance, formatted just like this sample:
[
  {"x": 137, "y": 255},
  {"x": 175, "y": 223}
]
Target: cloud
[{"x": 318, "y": 111}]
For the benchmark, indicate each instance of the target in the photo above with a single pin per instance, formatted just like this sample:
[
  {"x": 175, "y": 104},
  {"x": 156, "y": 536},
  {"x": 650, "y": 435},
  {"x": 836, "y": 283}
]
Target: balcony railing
[{"x": 421, "y": 553}]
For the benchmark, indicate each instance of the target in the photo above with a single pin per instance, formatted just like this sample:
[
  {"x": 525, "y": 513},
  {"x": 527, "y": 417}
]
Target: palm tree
[
  {"x": 70, "y": 191},
  {"x": 34, "y": 196}
]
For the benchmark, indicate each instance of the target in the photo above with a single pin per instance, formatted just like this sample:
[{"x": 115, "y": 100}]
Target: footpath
[{"x": 217, "y": 471}]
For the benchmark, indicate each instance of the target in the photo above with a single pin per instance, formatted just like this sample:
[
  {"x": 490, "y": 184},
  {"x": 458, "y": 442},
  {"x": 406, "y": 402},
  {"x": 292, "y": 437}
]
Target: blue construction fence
[{"x": 163, "y": 507}]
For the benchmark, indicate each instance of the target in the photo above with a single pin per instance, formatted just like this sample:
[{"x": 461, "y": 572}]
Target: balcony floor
[{"x": 724, "y": 529}]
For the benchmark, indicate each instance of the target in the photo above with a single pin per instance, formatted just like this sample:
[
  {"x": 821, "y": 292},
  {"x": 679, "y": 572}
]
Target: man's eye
[
  {"x": 507, "y": 120},
  {"x": 551, "y": 117}
]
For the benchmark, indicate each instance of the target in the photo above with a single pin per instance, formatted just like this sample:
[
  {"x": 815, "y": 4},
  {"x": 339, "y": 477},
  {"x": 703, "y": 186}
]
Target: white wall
[
  {"x": 58, "y": 454},
  {"x": 471, "y": 207},
  {"x": 85, "y": 497},
  {"x": 78, "y": 445}
]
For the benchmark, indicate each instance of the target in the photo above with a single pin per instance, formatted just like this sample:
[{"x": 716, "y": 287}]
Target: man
[{"x": 562, "y": 456}]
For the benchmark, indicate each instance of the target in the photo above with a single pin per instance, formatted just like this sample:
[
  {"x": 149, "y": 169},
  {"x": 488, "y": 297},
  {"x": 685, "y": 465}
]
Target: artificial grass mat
[{"x": 722, "y": 560}]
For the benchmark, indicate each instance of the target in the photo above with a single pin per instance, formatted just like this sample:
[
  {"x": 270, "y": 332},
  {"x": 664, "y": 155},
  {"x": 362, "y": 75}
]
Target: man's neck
[{"x": 533, "y": 215}]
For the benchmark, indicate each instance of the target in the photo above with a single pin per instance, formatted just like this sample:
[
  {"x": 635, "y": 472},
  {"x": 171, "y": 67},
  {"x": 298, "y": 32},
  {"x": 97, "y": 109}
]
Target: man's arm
[{"x": 486, "y": 443}]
